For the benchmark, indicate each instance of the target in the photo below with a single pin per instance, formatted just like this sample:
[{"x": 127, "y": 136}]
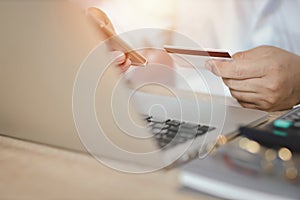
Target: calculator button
[
  {"x": 280, "y": 133},
  {"x": 297, "y": 124},
  {"x": 296, "y": 117},
  {"x": 280, "y": 123}
]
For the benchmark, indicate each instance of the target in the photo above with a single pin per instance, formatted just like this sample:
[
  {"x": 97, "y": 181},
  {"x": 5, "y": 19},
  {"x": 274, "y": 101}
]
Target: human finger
[
  {"x": 241, "y": 69},
  {"x": 248, "y": 105},
  {"x": 249, "y": 99},
  {"x": 246, "y": 85},
  {"x": 125, "y": 66},
  {"x": 247, "y": 55},
  {"x": 120, "y": 58},
  {"x": 98, "y": 14},
  {"x": 99, "y": 18},
  {"x": 252, "y": 54},
  {"x": 246, "y": 97}
]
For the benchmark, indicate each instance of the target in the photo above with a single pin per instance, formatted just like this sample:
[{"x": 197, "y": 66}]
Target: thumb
[
  {"x": 251, "y": 53},
  {"x": 97, "y": 16}
]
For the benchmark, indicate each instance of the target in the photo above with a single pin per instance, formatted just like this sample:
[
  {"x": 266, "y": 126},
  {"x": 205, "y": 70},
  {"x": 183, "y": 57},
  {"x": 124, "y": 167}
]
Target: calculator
[{"x": 282, "y": 132}]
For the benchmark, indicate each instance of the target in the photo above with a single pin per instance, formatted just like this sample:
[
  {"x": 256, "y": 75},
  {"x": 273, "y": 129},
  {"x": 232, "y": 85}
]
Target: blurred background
[
  {"x": 232, "y": 25},
  {"x": 225, "y": 24}
]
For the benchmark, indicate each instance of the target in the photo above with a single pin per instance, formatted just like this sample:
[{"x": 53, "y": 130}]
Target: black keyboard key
[
  {"x": 173, "y": 128},
  {"x": 148, "y": 119},
  {"x": 173, "y": 122},
  {"x": 188, "y": 126},
  {"x": 189, "y": 134},
  {"x": 204, "y": 129},
  {"x": 173, "y": 132},
  {"x": 297, "y": 125},
  {"x": 156, "y": 131},
  {"x": 201, "y": 132},
  {"x": 158, "y": 136},
  {"x": 180, "y": 140},
  {"x": 158, "y": 125},
  {"x": 167, "y": 138},
  {"x": 164, "y": 131},
  {"x": 162, "y": 144}
]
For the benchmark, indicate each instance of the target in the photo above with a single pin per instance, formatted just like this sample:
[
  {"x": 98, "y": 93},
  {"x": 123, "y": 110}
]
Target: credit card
[{"x": 197, "y": 52}]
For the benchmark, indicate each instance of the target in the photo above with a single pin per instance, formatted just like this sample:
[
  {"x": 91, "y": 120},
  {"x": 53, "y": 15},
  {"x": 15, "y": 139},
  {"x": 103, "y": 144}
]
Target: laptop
[{"x": 49, "y": 57}]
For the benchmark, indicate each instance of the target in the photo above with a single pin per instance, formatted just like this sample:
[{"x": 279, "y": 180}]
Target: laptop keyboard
[{"x": 172, "y": 132}]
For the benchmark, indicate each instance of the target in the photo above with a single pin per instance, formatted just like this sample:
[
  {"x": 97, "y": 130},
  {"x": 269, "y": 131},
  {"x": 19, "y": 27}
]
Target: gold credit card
[{"x": 197, "y": 52}]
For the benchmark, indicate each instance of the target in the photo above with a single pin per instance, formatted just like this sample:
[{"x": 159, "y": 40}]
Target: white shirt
[
  {"x": 235, "y": 25},
  {"x": 239, "y": 25},
  {"x": 228, "y": 24}
]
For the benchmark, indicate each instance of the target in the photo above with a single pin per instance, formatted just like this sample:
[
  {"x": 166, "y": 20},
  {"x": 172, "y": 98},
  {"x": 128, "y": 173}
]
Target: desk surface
[{"x": 34, "y": 171}]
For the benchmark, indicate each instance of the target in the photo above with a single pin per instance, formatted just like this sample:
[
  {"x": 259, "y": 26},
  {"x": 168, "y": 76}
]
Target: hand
[
  {"x": 121, "y": 59},
  {"x": 266, "y": 78}
]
